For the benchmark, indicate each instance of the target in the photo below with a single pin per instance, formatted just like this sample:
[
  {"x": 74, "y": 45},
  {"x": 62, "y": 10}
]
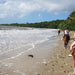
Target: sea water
[{"x": 15, "y": 41}]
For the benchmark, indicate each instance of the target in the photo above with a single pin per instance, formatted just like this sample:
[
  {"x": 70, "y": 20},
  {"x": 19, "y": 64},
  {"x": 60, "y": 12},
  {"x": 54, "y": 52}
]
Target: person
[
  {"x": 58, "y": 31},
  {"x": 72, "y": 50},
  {"x": 72, "y": 46},
  {"x": 66, "y": 32}
]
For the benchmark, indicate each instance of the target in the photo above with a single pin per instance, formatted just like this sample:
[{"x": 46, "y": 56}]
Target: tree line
[{"x": 69, "y": 22}]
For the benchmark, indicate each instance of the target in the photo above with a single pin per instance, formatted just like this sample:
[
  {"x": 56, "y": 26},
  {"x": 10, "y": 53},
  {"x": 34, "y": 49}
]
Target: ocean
[{"x": 15, "y": 41}]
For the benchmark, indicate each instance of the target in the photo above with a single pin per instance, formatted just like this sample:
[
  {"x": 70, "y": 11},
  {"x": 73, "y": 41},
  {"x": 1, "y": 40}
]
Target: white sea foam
[
  {"x": 7, "y": 64},
  {"x": 17, "y": 48},
  {"x": 17, "y": 55},
  {"x": 14, "y": 43}
]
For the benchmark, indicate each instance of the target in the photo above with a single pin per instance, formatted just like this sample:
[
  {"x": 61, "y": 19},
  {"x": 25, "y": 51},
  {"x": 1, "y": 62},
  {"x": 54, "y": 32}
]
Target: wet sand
[{"x": 41, "y": 61}]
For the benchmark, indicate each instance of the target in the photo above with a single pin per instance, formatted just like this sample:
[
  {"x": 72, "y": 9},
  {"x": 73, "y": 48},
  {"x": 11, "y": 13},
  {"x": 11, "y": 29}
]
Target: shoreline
[{"x": 57, "y": 63}]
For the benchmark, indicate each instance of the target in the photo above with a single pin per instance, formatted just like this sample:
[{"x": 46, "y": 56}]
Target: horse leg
[{"x": 65, "y": 44}]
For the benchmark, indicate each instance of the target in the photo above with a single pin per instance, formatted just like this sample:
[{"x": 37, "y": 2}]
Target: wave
[{"x": 14, "y": 43}]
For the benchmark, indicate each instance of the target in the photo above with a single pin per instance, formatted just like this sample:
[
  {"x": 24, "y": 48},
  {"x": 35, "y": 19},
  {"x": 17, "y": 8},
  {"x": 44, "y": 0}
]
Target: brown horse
[
  {"x": 72, "y": 49},
  {"x": 66, "y": 39},
  {"x": 73, "y": 54}
]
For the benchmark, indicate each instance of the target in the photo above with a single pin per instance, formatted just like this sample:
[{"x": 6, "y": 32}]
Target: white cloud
[
  {"x": 2, "y": 15},
  {"x": 21, "y": 8},
  {"x": 39, "y": 15}
]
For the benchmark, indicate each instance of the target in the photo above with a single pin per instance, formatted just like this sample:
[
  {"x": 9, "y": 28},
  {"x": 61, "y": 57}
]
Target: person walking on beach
[{"x": 58, "y": 31}]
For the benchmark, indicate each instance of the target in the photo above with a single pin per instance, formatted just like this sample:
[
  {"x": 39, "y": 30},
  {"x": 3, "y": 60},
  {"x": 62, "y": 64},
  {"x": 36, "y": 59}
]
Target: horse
[
  {"x": 66, "y": 39},
  {"x": 72, "y": 49},
  {"x": 73, "y": 54}
]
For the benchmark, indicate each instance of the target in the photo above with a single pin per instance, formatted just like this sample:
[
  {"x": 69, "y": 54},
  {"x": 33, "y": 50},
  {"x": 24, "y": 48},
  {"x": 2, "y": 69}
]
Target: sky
[{"x": 34, "y": 11}]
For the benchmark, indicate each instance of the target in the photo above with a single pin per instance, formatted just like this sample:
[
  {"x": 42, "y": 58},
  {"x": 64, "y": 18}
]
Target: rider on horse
[
  {"x": 72, "y": 50},
  {"x": 66, "y": 37}
]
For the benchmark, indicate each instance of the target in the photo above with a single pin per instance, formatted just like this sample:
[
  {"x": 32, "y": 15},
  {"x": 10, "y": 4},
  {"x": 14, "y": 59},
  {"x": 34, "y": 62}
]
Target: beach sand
[{"x": 55, "y": 62}]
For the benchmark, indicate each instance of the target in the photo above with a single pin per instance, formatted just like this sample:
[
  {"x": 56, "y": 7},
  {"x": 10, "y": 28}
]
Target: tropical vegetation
[{"x": 69, "y": 22}]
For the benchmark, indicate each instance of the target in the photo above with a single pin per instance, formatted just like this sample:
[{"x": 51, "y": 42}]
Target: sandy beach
[{"x": 55, "y": 62}]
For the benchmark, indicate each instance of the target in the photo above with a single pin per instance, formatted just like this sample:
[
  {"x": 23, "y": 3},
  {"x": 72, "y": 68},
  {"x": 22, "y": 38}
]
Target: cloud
[
  {"x": 39, "y": 15},
  {"x": 21, "y": 8}
]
